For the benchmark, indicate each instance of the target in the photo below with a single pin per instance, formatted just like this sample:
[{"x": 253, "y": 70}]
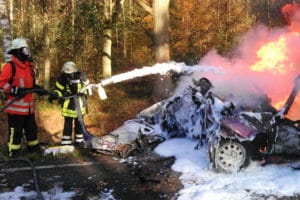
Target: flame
[
  {"x": 271, "y": 57},
  {"x": 266, "y": 62},
  {"x": 279, "y": 104}
]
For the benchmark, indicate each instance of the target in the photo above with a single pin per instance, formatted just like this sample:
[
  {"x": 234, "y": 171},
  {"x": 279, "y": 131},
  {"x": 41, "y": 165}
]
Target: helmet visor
[{"x": 26, "y": 51}]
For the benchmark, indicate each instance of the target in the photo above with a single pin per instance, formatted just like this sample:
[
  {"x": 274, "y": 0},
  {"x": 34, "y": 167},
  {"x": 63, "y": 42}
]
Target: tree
[
  {"x": 163, "y": 86},
  {"x": 47, "y": 63},
  {"x": 161, "y": 25},
  {"x": 6, "y": 37},
  {"x": 110, "y": 19}
]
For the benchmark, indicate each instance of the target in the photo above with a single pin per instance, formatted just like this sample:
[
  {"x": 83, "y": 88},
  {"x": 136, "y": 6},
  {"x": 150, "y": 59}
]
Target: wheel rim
[{"x": 230, "y": 156}]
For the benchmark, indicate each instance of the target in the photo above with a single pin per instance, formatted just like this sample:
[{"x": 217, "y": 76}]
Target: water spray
[{"x": 162, "y": 69}]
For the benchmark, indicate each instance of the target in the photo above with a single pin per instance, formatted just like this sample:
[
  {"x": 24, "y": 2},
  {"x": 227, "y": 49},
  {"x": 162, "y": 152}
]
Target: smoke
[
  {"x": 265, "y": 62},
  {"x": 291, "y": 14}
]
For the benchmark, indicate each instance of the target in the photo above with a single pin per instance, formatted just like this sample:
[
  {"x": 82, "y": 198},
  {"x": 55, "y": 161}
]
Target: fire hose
[
  {"x": 30, "y": 90},
  {"x": 87, "y": 135},
  {"x": 35, "y": 179}
]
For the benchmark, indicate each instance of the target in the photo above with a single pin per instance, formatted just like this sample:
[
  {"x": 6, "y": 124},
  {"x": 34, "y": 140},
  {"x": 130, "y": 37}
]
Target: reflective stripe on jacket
[
  {"x": 23, "y": 78},
  {"x": 65, "y": 87}
]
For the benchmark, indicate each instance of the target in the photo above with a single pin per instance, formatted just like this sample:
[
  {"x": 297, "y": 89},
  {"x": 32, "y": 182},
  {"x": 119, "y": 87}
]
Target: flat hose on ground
[{"x": 35, "y": 180}]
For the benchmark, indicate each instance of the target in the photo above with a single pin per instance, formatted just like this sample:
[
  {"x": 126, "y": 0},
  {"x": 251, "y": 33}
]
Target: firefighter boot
[
  {"x": 79, "y": 140},
  {"x": 33, "y": 148},
  {"x": 15, "y": 153}
]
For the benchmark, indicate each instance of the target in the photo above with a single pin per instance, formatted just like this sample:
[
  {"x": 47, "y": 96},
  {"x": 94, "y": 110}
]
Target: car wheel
[{"x": 230, "y": 156}]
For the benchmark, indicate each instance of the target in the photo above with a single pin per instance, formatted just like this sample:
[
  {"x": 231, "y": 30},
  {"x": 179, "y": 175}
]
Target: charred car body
[
  {"x": 194, "y": 113},
  {"x": 233, "y": 136},
  {"x": 253, "y": 135}
]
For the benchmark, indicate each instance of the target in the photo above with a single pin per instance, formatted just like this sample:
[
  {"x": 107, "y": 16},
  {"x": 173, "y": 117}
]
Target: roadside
[{"x": 144, "y": 175}]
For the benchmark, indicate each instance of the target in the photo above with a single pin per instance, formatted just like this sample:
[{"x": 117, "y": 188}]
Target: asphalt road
[{"x": 142, "y": 176}]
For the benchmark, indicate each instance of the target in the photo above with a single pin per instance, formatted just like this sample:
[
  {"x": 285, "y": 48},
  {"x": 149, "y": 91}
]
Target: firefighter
[
  {"x": 68, "y": 87},
  {"x": 205, "y": 101},
  {"x": 17, "y": 76},
  {"x": 203, "y": 88}
]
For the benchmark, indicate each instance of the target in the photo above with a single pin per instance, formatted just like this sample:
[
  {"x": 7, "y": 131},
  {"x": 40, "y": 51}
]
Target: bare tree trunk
[
  {"x": 11, "y": 15},
  {"x": 6, "y": 31},
  {"x": 124, "y": 35},
  {"x": 163, "y": 86},
  {"x": 131, "y": 38},
  {"x": 107, "y": 35},
  {"x": 47, "y": 64},
  {"x": 161, "y": 25},
  {"x": 11, "y": 8},
  {"x": 109, "y": 19},
  {"x": 73, "y": 15}
]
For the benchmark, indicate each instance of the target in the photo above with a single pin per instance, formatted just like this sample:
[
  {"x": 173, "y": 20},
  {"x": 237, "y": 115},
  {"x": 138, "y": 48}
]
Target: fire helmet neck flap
[{"x": 69, "y": 67}]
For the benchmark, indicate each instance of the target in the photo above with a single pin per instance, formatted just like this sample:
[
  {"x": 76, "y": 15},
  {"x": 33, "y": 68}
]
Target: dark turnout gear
[
  {"x": 52, "y": 96},
  {"x": 67, "y": 132},
  {"x": 18, "y": 123},
  {"x": 16, "y": 77},
  {"x": 70, "y": 83}
]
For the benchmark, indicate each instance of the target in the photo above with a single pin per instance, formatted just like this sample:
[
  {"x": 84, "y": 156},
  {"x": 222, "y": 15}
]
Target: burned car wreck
[
  {"x": 233, "y": 135},
  {"x": 195, "y": 113},
  {"x": 254, "y": 135}
]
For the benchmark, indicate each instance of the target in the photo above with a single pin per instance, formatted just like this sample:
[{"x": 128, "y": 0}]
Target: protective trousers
[
  {"x": 67, "y": 132},
  {"x": 17, "y": 124}
]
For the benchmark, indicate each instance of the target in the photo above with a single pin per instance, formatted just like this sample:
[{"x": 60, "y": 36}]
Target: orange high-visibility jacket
[{"x": 23, "y": 78}]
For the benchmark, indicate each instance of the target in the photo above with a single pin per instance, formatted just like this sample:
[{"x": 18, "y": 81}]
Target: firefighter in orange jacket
[{"x": 21, "y": 117}]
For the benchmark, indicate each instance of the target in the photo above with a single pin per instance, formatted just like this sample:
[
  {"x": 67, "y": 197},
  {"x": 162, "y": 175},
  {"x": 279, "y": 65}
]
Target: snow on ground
[{"x": 201, "y": 183}]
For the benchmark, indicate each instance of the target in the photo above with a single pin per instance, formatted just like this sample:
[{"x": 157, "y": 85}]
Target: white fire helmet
[
  {"x": 69, "y": 67},
  {"x": 19, "y": 43}
]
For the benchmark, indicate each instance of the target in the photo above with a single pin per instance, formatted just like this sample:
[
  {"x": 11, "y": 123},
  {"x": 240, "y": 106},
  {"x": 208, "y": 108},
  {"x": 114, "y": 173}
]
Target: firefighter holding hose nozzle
[{"x": 68, "y": 89}]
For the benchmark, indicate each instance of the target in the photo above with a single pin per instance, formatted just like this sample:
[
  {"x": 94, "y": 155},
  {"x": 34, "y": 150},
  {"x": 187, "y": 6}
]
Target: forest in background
[{"x": 74, "y": 30}]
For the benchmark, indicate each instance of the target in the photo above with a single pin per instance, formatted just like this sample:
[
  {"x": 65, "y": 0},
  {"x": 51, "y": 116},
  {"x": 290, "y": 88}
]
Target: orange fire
[
  {"x": 265, "y": 63},
  {"x": 272, "y": 59}
]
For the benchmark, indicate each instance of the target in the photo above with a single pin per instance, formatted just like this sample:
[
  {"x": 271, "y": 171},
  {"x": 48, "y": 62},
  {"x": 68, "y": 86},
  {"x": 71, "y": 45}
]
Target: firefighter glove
[
  {"x": 41, "y": 91},
  {"x": 52, "y": 97},
  {"x": 16, "y": 91}
]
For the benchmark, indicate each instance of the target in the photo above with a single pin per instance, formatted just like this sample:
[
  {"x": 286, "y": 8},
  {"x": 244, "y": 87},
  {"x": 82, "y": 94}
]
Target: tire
[{"x": 230, "y": 156}]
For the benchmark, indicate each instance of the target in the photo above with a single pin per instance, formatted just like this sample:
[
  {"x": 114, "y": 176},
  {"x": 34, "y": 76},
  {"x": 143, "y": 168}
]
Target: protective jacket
[
  {"x": 68, "y": 85},
  {"x": 24, "y": 77}
]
